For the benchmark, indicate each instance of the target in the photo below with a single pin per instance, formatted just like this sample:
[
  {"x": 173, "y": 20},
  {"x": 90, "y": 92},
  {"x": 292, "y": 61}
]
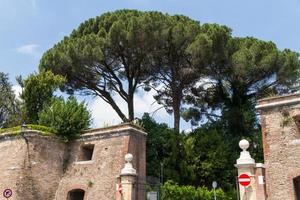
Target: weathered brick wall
[
  {"x": 281, "y": 141},
  {"x": 30, "y": 165},
  {"x": 44, "y": 168}
]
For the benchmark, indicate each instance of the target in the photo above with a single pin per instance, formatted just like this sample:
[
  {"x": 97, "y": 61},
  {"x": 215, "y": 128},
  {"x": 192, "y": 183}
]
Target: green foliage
[
  {"x": 158, "y": 144},
  {"x": 9, "y": 105},
  {"x": 238, "y": 71},
  {"x": 37, "y": 92},
  {"x": 198, "y": 158},
  {"x": 171, "y": 191},
  {"x": 209, "y": 155},
  {"x": 174, "y": 70},
  {"x": 107, "y": 55},
  {"x": 17, "y": 129},
  {"x": 165, "y": 147},
  {"x": 115, "y": 53},
  {"x": 67, "y": 118}
]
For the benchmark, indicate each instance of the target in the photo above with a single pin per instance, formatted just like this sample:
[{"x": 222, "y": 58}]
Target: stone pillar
[
  {"x": 128, "y": 178},
  {"x": 246, "y": 165},
  {"x": 260, "y": 181}
]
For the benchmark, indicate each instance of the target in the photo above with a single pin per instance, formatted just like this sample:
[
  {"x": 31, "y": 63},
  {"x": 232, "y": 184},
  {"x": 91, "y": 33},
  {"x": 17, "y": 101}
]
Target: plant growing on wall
[{"x": 67, "y": 117}]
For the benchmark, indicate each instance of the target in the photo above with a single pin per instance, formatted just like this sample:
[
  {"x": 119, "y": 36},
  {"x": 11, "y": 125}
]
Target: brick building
[
  {"x": 280, "y": 121},
  {"x": 40, "y": 167}
]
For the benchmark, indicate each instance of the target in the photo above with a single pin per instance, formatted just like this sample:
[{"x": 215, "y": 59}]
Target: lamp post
[
  {"x": 162, "y": 173},
  {"x": 215, "y": 185},
  {"x": 23, "y": 127}
]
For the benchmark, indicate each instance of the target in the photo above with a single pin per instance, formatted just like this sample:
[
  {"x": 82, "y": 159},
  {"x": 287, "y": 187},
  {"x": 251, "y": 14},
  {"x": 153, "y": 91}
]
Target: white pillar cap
[
  {"x": 245, "y": 158},
  {"x": 128, "y": 168}
]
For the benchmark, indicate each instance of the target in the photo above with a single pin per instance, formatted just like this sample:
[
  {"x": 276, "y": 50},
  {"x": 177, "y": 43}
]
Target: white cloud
[
  {"x": 29, "y": 49},
  {"x": 17, "y": 90},
  {"x": 102, "y": 113}
]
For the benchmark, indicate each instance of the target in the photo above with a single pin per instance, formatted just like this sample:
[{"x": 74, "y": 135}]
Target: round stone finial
[
  {"x": 244, "y": 144},
  {"x": 128, "y": 157}
]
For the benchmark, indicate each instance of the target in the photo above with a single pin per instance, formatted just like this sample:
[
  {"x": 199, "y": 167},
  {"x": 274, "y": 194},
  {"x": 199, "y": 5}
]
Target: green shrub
[
  {"x": 44, "y": 130},
  {"x": 67, "y": 117},
  {"x": 171, "y": 191}
]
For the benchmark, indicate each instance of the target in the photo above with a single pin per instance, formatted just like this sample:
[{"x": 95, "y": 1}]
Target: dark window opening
[
  {"x": 77, "y": 194},
  {"x": 86, "y": 152},
  {"x": 297, "y": 122},
  {"x": 297, "y": 187}
]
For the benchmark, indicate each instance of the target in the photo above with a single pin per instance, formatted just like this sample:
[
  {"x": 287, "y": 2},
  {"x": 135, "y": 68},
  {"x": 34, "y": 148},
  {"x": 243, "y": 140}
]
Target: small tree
[
  {"x": 68, "y": 118},
  {"x": 37, "y": 92},
  {"x": 9, "y": 106}
]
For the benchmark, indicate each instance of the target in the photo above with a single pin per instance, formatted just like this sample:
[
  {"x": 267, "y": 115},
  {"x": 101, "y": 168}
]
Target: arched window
[
  {"x": 297, "y": 187},
  {"x": 77, "y": 194}
]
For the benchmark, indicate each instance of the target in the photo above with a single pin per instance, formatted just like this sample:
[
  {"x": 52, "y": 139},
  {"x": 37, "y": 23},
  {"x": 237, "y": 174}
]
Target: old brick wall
[
  {"x": 98, "y": 177},
  {"x": 31, "y": 165},
  {"x": 281, "y": 141},
  {"x": 36, "y": 167}
]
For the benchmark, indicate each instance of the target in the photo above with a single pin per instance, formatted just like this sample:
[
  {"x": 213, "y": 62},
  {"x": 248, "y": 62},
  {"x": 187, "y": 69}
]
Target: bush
[
  {"x": 171, "y": 191},
  {"x": 67, "y": 118}
]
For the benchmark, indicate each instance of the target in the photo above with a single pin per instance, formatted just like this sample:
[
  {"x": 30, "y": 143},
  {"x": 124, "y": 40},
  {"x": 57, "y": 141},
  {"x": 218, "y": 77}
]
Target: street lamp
[
  {"x": 23, "y": 127},
  {"x": 162, "y": 173},
  {"x": 215, "y": 185}
]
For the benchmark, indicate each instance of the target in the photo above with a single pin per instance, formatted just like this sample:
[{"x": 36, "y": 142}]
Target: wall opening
[
  {"x": 76, "y": 194},
  {"x": 297, "y": 187},
  {"x": 86, "y": 152}
]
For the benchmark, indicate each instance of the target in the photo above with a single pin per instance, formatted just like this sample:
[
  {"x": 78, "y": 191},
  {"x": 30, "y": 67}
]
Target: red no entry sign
[{"x": 244, "y": 180}]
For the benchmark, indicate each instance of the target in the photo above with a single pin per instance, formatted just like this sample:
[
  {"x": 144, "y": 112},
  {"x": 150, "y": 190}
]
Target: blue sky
[{"x": 29, "y": 27}]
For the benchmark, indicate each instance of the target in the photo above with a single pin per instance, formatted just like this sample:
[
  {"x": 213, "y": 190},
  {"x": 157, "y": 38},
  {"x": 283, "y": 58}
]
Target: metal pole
[
  {"x": 162, "y": 173},
  {"x": 237, "y": 188},
  {"x": 215, "y": 185},
  {"x": 215, "y": 194}
]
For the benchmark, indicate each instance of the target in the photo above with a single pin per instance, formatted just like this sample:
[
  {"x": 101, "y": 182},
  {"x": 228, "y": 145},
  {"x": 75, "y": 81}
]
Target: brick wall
[
  {"x": 44, "y": 168},
  {"x": 281, "y": 142},
  {"x": 30, "y": 165}
]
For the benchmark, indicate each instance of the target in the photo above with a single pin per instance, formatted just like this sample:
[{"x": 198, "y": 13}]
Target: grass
[{"x": 44, "y": 130}]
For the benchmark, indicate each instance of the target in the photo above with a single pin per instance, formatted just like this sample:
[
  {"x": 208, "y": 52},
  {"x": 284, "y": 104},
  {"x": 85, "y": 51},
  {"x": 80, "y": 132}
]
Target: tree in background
[
  {"x": 196, "y": 158},
  {"x": 9, "y": 105},
  {"x": 106, "y": 56},
  {"x": 173, "y": 72},
  {"x": 242, "y": 70},
  {"x": 37, "y": 92},
  {"x": 208, "y": 153},
  {"x": 165, "y": 149},
  {"x": 69, "y": 118}
]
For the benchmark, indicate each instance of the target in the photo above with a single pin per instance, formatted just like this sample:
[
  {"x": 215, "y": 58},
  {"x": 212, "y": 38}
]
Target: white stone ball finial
[
  {"x": 128, "y": 168},
  {"x": 244, "y": 144},
  {"x": 245, "y": 157},
  {"x": 128, "y": 157}
]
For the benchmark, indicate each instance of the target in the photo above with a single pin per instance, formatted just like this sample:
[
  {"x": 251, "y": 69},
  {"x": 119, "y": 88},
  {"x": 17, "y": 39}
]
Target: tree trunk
[
  {"x": 176, "y": 120},
  {"x": 131, "y": 107},
  {"x": 130, "y": 100},
  {"x": 177, "y": 96}
]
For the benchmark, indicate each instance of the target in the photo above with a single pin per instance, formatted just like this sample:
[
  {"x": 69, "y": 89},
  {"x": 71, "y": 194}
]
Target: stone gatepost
[
  {"x": 128, "y": 178},
  {"x": 246, "y": 165}
]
